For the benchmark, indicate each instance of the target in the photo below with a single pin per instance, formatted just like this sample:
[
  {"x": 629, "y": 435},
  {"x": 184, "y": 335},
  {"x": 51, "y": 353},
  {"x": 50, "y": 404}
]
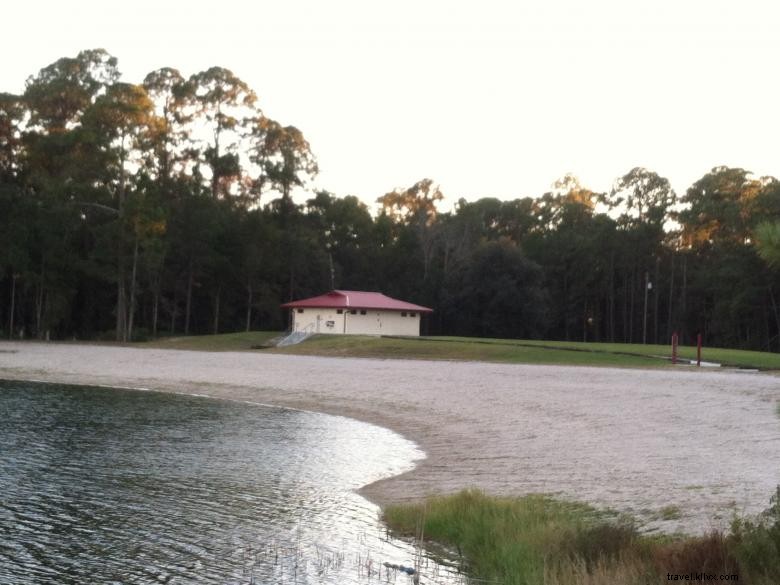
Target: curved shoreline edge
[
  {"x": 361, "y": 490},
  {"x": 637, "y": 441}
]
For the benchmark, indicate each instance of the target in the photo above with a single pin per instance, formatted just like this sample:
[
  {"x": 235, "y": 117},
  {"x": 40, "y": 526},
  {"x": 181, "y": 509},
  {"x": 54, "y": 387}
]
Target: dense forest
[{"x": 129, "y": 211}]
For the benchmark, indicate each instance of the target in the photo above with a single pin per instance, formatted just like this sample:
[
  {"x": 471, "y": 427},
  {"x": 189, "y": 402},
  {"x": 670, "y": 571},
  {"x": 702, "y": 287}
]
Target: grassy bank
[
  {"x": 472, "y": 349},
  {"x": 243, "y": 341},
  {"x": 460, "y": 349},
  {"x": 727, "y": 357},
  {"x": 534, "y": 540}
]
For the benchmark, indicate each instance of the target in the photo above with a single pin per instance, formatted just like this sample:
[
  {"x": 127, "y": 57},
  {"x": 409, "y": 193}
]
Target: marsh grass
[
  {"x": 535, "y": 540},
  {"x": 516, "y": 540},
  {"x": 670, "y": 513}
]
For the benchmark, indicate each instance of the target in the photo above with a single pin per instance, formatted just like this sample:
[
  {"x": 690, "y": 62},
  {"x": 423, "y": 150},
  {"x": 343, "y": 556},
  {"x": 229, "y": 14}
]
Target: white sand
[{"x": 707, "y": 442}]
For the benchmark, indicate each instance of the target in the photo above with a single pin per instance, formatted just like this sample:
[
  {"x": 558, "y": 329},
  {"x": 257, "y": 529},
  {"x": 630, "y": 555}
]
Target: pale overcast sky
[{"x": 488, "y": 98}]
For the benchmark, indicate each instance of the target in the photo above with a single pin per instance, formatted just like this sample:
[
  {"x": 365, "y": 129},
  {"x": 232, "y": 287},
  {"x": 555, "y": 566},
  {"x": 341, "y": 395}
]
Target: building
[{"x": 351, "y": 312}]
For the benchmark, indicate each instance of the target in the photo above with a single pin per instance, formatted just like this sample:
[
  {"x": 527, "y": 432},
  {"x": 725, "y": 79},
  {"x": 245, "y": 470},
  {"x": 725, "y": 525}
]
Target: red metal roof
[{"x": 355, "y": 299}]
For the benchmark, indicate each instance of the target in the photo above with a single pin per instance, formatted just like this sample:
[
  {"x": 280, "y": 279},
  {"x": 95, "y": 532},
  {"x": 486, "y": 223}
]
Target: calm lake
[{"x": 120, "y": 486}]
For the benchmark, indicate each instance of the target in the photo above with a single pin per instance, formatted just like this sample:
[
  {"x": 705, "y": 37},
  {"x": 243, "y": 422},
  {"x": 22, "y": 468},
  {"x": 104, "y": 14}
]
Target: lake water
[{"x": 121, "y": 486}]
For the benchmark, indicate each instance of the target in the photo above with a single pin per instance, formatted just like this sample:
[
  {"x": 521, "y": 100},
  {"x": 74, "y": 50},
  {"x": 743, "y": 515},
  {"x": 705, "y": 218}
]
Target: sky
[{"x": 486, "y": 98}]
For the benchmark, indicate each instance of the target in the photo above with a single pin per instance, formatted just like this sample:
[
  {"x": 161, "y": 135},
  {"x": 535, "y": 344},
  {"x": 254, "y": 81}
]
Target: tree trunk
[
  {"x": 565, "y": 307},
  {"x": 671, "y": 299},
  {"x": 121, "y": 309},
  {"x": 248, "y": 307},
  {"x": 174, "y": 313},
  {"x": 625, "y": 309},
  {"x": 632, "y": 289},
  {"x": 39, "y": 308},
  {"x": 121, "y": 302},
  {"x": 427, "y": 261},
  {"x": 646, "y": 290},
  {"x": 155, "y": 311},
  {"x": 656, "y": 289},
  {"x": 216, "y": 310},
  {"x": 765, "y": 321},
  {"x": 332, "y": 271},
  {"x": 13, "y": 306},
  {"x": 612, "y": 297},
  {"x": 777, "y": 316},
  {"x": 189, "y": 301},
  {"x": 585, "y": 322},
  {"x": 131, "y": 316},
  {"x": 683, "y": 307},
  {"x": 214, "y": 176},
  {"x": 426, "y": 245}
]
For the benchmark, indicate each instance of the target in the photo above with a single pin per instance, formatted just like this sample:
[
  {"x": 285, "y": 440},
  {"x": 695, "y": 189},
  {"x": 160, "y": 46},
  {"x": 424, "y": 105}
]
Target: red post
[
  {"x": 698, "y": 350},
  {"x": 674, "y": 347}
]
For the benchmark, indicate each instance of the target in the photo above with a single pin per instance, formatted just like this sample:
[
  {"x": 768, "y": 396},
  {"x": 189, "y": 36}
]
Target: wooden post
[
  {"x": 674, "y": 347},
  {"x": 698, "y": 350}
]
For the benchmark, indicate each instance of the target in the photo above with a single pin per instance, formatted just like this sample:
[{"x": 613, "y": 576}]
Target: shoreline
[{"x": 704, "y": 442}]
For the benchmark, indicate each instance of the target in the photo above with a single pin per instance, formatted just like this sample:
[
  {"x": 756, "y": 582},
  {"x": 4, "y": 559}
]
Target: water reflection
[{"x": 114, "y": 486}]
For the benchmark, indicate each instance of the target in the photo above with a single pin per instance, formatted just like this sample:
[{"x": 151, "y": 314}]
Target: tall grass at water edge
[{"x": 535, "y": 540}]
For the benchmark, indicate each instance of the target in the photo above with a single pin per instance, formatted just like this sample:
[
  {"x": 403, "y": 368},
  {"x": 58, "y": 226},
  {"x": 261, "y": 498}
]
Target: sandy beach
[{"x": 679, "y": 448}]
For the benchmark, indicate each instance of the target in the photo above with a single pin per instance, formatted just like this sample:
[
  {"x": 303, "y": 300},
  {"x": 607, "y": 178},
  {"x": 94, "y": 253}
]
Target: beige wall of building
[
  {"x": 357, "y": 322},
  {"x": 318, "y": 320}
]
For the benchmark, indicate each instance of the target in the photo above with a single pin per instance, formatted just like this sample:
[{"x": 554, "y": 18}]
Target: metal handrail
[{"x": 297, "y": 336}]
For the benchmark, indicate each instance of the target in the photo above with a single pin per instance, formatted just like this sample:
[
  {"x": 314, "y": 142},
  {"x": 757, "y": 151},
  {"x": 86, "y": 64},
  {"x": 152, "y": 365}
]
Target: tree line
[{"x": 130, "y": 211}]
